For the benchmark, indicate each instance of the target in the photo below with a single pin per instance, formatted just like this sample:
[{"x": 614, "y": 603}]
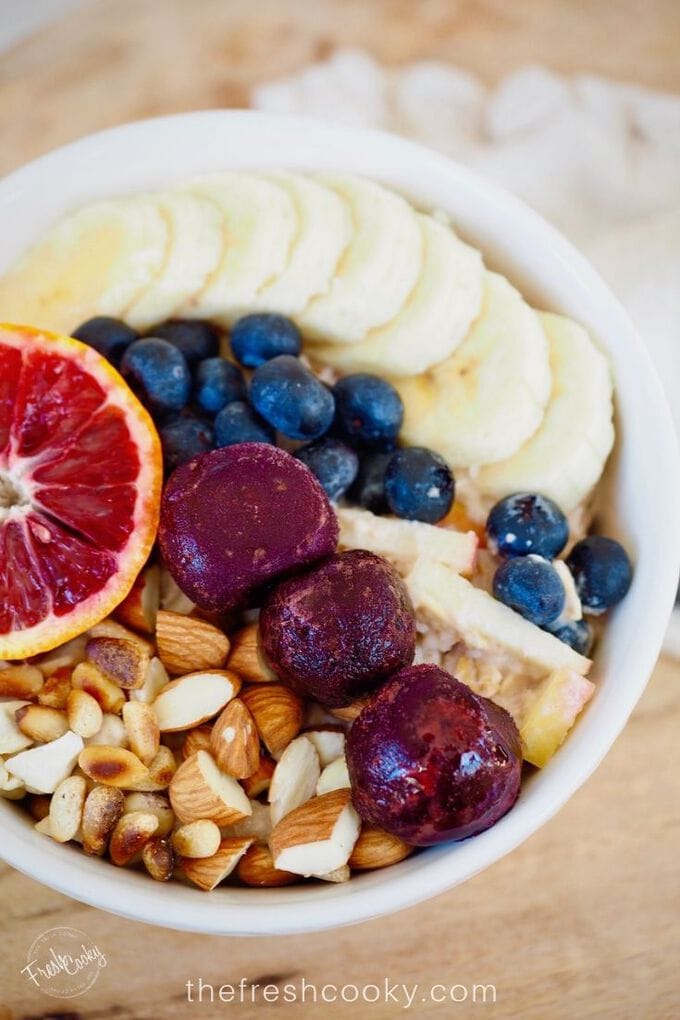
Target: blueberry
[
  {"x": 602, "y": 572},
  {"x": 369, "y": 411},
  {"x": 260, "y": 337},
  {"x": 184, "y": 438},
  {"x": 195, "y": 338},
  {"x": 578, "y": 634},
  {"x": 333, "y": 463},
  {"x": 158, "y": 373},
  {"x": 368, "y": 490},
  {"x": 218, "y": 382},
  {"x": 419, "y": 485},
  {"x": 532, "y": 587},
  {"x": 109, "y": 336},
  {"x": 527, "y": 523},
  {"x": 238, "y": 423},
  {"x": 291, "y": 398}
]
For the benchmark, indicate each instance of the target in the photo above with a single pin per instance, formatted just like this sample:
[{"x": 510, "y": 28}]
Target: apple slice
[
  {"x": 553, "y": 713},
  {"x": 460, "y": 612},
  {"x": 317, "y": 837}
]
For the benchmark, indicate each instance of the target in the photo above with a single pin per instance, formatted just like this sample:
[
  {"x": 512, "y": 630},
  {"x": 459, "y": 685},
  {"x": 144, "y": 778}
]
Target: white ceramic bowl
[{"x": 643, "y": 495}]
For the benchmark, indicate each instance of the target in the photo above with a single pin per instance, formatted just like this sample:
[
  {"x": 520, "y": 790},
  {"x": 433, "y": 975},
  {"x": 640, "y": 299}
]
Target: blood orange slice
[{"x": 80, "y": 483}]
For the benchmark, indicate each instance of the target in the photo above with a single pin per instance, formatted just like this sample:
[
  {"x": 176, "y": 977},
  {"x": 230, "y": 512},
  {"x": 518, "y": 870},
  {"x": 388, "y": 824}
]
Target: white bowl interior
[{"x": 642, "y": 504}]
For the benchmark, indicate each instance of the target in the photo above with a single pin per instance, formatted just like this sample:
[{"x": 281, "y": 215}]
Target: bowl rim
[{"x": 421, "y": 877}]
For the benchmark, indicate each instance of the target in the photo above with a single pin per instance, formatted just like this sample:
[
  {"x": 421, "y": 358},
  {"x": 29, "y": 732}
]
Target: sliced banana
[
  {"x": 483, "y": 402},
  {"x": 403, "y": 542},
  {"x": 378, "y": 271},
  {"x": 261, "y": 225},
  {"x": 96, "y": 261},
  {"x": 324, "y": 231},
  {"x": 197, "y": 239},
  {"x": 565, "y": 457},
  {"x": 455, "y": 610},
  {"x": 436, "y": 317}
]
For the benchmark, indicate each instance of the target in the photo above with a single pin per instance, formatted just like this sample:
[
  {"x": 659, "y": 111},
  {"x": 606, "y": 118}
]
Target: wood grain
[{"x": 583, "y": 919}]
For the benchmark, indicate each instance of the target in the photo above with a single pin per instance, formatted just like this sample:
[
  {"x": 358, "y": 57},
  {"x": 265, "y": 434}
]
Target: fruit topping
[
  {"x": 419, "y": 485},
  {"x": 336, "y": 630},
  {"x": 218, "y": 382},
  {"x": 527, "y": 523},
  {"x": 195, "y": 339},
  {"x": 238, "y": 423},
  {"x": 291, "y": 398},
  {"x": 110, "y": 337},
  {"x": 431, "y": 761},
  {"x": 158, "y": 373},
  {"x": 369, "y": 411},
  {"x": 334, "y": 464},
  {"x": 602, "y": 572},
  {"x": 183, "y": 438},
  {"x": 238, "y": 518},
  {"x": 532, "y": 587},
  {"x": 262, "y": 336},
  {"x": 79, "y": 489}
]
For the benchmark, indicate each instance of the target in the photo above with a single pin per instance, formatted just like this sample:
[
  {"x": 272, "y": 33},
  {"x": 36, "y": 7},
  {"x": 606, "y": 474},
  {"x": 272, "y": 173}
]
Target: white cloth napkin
[{"x": 600, "y": 159}]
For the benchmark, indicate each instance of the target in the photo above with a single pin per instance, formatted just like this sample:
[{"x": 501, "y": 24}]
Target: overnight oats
[{"x": 299, "y": 559}]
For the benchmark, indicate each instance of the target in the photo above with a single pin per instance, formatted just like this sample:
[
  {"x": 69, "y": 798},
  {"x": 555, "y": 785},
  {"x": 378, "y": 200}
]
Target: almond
[
  {"x": 66, "y": 808},
  {"x": 329, "y": 742},
  {"x": 197, "y": 739},
  {"x": 158, "y": 858},
  {"x": 348, "y": 713},
  {"x": 41, "y": 723},
  {"x": 85, "y": 715},
  {"x": 155, "y": 803},
  {"x": 130, "y": 835},
  {"x": 277, "y": 712},
  {"x": 342, "y": 874},
  {"x": 42, "y": 768},
  {"x": 208, "y": 872},
  {"x": 334, "y": 777},
  {"x": 377, "y": 849},
  {"x": 259, "y": 782},
  {"x": 143, "y": 733},
  {"x": 295, "y": 778},
  {"x": 235, "y": 742},
  {"x": 256, "y": 868},
  {"x": 112, "y": 766},
  {"x": 122, "y": 661},
  {"x": 155, "y": 679},
  {"x": 199, "y": 790},
  {"x": 247, "y": 658},
  {"x": 56, "y": 689},
  {"x": 103, "y": 807},
  {"x": 186, "y": 644},
  {"x": 191, "y": 699},
  {"x": 159, "y": 772},
  {"x": 197, "y": 839},
  {"x": 87, "y": 677},
  {"x": 140, "y": 608},
  {"x": 20, "y": 681},
  {"x": 258, "y": 824},
  {"x": 317, "y": 837},
  {"x": 112, "y": 732}
]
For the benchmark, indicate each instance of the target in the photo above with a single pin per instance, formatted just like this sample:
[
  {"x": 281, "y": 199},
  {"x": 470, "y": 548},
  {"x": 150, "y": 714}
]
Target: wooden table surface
[{"x": 584, "y": 918}]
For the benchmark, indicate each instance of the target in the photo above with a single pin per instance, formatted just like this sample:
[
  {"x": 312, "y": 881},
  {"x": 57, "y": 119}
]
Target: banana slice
[
  {"x": 378, "y": 271},
  {"x": 455, "y": 610},
  {"x": 434, "y": 320},
  {"x": 261, "y": 225},
  {"x": 484, "y": 401},
  {"x": 197, "y": 239},
  {"x": 324, "y": 231},
  {"x": 565, "y": 457},
  {"x": 404, "y": 542},
  {"x": 96, "y": 261}
]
